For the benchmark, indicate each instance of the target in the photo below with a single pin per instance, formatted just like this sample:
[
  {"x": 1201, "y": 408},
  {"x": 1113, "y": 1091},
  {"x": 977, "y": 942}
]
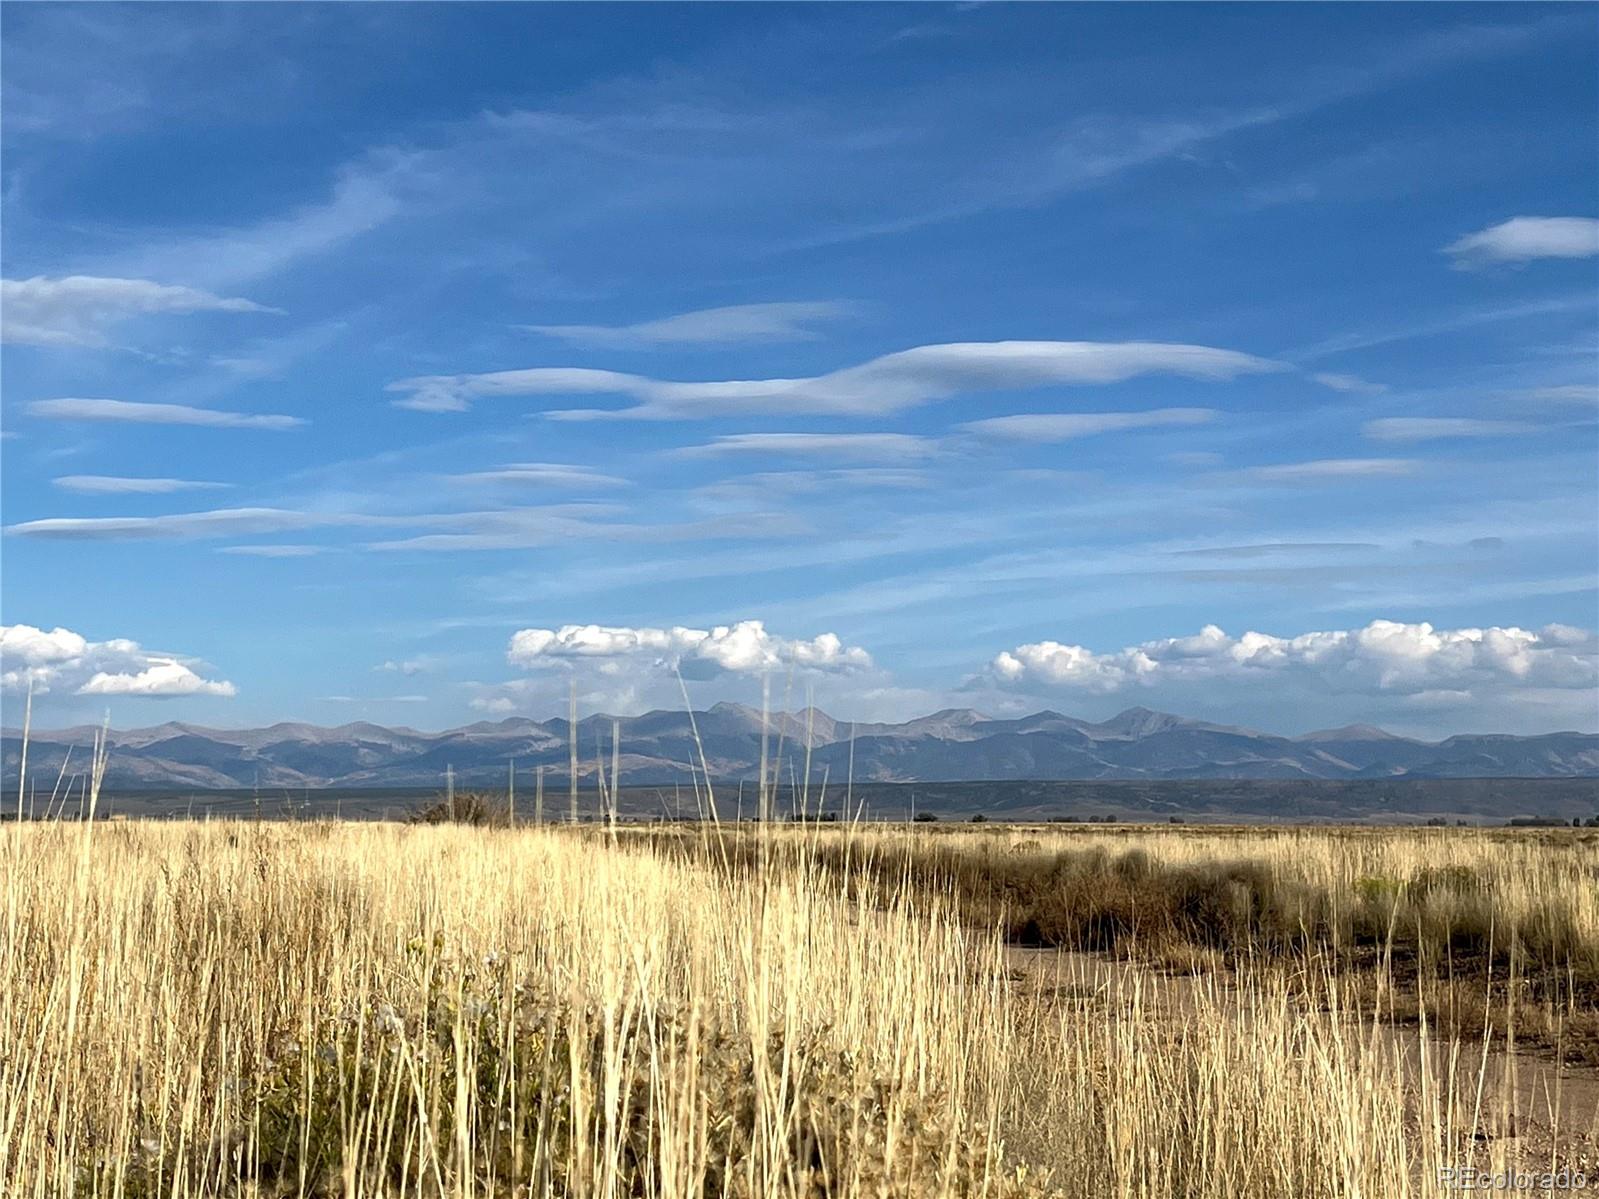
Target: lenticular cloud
[{"x": 1383, "y": 657}]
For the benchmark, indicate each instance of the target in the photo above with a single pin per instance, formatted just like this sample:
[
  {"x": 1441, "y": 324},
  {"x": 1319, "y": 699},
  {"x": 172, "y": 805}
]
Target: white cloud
[
  {"x": 78, "y": 310},
  {"x": 500, "y": 528},
  {"x": 63, "y": 660},
  {"x": 374, "y": 699},
  {"x": 127, "y": 411},
  {"x": 874, "y": 447},
  {"x": 407, "y": 667},
  {"x": 493, "y": 705},
  {"x": 162, "y": 679},
  {"x": 271, "y": 551},
  {"x": 1063, "y": 426},
  {"x": 1195, "y": 458},
  {"x": 1383, "y": 657},
  {"x": 220, "y": 522},
  {"x": 541, "y": 474},
  {"x": 120, "y": 485},
  {"x": 1330, "y": 470},
  {"x": 1570, "y": 393},
  {"x": 1523, "y": 238},
  {"x": 366, "y": 195},
  {"x": 744, "y": 490},
  {"x": 1473, "y": 318},
  {"x": 708, "y": 326},
  {"x": 742, "y": 648},
  {"x": 531, "y": 528},
  {"x": 879, "y": 387},
  {"x": 1432, "y": 428},
  {"x": 1353, "y": 384}
]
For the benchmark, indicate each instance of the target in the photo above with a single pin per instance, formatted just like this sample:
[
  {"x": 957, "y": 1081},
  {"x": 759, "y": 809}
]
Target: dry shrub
[{"x": 477, "y": 808}]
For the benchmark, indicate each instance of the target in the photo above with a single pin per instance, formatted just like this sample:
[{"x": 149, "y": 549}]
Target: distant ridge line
[{"x": 951, "y": 745}]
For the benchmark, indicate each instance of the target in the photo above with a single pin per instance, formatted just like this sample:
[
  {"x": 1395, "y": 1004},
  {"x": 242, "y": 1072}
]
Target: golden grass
[{"x": 383, "y": 1010}]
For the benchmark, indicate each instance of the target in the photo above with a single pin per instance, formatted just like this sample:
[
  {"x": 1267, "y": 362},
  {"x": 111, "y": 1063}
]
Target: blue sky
[{"x": 403, "y": 362}]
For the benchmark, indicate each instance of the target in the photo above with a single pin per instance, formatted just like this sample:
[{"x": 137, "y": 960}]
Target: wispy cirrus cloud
[
  {"x": 121, "y": 485},
  {"x": 731, "y": 325},
  {"x": 365, "y": 195},
  {"x": 862, "y": 447},
  {"x": 374, "y": 699},
  {"x": 1525, "y": 238},
  {"x": 1569, "y": 393},
  {"x": 81, "y": 310},
  {"x": 1272, "y": 548},
  {"x": 1065, "y": 426},
  {"x": 58, "y": 658},
  {"x": 1452, "y": 323},
  {"x": 220, "y": 522},
  {"x": 541, "y": 474},
  {"x": 1328, "y": 470},
  {"x": 272, "y": 551},
  {"x": 131, "y": 412},
  {"x": 1438, "y": 428},
  {"x": 883, "y": 386},
  {"x": 1352, "y": 384},
  {"x": 535, "y": 528},
  {"x": 524, "y": 527}
]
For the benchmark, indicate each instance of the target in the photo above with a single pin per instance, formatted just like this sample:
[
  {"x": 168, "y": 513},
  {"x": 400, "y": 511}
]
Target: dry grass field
[{"x": 274, "y": 1009}]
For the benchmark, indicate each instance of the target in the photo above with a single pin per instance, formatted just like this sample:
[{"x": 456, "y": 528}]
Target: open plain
[{"x": 258, "y": 1008}]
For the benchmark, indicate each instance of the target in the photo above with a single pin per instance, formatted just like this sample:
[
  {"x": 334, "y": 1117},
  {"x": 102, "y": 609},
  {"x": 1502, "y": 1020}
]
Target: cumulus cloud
[
  {"x": 738, "y": 323},
  {"x": 873, "y": 447},
  {"x": 1434, "y": 428},
  {"x": 1523, "y": 238},
  {"x": 742, "y": 648},
  {"x": 79, "y": 309},
  {"x": 120, "y": 485},
  {"x": 1383, "y": 657},
  {"x": 63, "y": 660},
  {"x": 127, "y": 411},
  {"x": 1064, "y": 426},
  {"x": 882, "y": 386}
]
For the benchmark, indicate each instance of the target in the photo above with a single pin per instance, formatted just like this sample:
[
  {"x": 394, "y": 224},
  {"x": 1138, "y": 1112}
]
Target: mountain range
[{"x": 955, "y": 745}]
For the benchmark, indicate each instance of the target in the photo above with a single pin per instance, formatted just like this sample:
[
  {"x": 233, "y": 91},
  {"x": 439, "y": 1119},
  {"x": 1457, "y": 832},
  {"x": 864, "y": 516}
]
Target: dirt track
[{"x": 1525, "y": 1104}]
